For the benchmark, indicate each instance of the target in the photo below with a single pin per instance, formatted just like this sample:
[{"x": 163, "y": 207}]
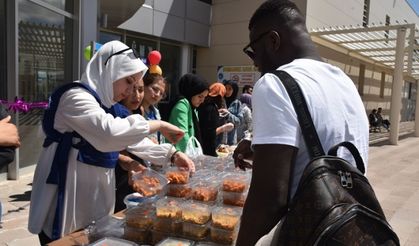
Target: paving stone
[{"x": 28, "y": 241}]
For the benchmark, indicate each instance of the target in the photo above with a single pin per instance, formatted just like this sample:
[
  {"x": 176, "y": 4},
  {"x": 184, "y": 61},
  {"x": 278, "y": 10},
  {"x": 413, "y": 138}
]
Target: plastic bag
[{"x": 193, "y": 148}]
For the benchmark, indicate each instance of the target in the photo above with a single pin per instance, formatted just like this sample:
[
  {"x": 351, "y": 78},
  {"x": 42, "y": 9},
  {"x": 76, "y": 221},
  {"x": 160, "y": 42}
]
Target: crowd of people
[{"x": 107, "y": 126}]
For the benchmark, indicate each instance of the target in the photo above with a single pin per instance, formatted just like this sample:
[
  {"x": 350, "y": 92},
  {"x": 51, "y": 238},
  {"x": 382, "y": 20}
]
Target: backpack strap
[
  {"x": 311, "y": 138},
  {"x": 354, "y": 151}
]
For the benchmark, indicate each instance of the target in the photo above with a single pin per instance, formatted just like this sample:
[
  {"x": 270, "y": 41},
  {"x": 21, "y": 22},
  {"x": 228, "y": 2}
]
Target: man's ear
[{"x": 275, "y": 39}]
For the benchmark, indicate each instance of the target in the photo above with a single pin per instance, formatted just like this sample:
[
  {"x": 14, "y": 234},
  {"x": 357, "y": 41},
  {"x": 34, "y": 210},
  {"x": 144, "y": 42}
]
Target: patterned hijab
[{"x": 100, "y": 77}]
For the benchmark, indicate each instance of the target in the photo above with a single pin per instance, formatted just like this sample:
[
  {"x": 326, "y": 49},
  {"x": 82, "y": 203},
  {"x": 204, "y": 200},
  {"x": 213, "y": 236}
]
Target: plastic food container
[
  {"x": 136, "y": 235},
  {"x": 195, "y": 231},
  {"x": 234, "y": 198},
  {"x": 167, "y": 225},
  {"x": 223, "y": 150},
  {"x": 107, "y": 226},
  {"x": 168, "y": 207},
  {"x": 141, "y": 217},
  {"x": 149, "y": 182},
  {"x": 197, "y": 213},
  {"x": 179, "y": 190},
  {"x": 177, "y": 175},
  {"x": 205, "y": 191},
  {"x": 226, "y": 217},
  {"x": 221, "y": 236},
  {"x": 158, "y": 236},
  {"x": 171, "y": 241},
  {"x": 113, "y": 241},
  {"x": 235, "y": 182},
  {"x": 134, "y": 199},
  {"x": 206, "y": 244}
]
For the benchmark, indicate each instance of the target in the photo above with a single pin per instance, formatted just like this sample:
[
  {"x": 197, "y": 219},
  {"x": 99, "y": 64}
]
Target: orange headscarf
[{"x": 217, "y": 89}]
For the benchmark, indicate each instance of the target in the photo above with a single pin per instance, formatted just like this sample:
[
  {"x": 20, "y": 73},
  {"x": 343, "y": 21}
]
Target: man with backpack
[{"x": 279, "y": 41}]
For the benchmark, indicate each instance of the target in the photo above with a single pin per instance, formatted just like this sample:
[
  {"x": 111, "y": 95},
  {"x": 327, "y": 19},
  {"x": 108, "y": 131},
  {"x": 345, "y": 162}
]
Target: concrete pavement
[
  {"x": 393, "y": 172},
  {"x": 15, "y": 197}
]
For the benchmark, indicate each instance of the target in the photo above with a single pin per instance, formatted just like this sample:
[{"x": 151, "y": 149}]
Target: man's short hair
[{"x": 279, "y": 12}]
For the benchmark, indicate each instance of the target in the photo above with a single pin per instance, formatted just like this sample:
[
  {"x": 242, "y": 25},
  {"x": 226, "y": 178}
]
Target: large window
[
  {"x": 45, "y": 62},
  {"x": 3, "y": 55},
  {"x": 171, "y": 67},
  {"x": 105, "y": 37},
  {"x": 3, "y": 59},
  {"x": 142, "y": 46}
]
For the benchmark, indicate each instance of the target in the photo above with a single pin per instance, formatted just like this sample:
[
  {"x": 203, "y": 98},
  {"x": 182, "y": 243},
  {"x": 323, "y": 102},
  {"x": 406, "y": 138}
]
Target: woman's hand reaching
[
  {"x": 171, "y": 132},
  {"x": 183, "y": 161},
  {"x": 228, "y": 127}
]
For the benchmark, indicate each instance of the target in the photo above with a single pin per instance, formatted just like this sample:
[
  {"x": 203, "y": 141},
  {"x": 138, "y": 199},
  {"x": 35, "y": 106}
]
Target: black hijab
[
  {"x": 233, "y": 96},
  {"x": 189, "y": 86}
]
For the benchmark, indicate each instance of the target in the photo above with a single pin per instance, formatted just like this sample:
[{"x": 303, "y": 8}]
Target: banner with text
[{"x": 243, "y": 75}]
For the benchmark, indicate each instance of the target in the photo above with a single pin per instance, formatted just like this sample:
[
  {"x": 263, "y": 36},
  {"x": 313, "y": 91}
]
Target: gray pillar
[
  {"x": 12, "y": 73},
  {"x": 396, "y": 92},
  {"x": 88, "y": 27},
  {"x": 417, "y": 110}
]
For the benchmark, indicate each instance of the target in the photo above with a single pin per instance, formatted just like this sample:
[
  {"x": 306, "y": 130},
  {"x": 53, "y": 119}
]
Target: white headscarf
[{"x": 100, "y": 77}]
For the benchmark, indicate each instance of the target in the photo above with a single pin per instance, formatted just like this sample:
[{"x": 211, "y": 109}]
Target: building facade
[{"x": 229, "y": 34}]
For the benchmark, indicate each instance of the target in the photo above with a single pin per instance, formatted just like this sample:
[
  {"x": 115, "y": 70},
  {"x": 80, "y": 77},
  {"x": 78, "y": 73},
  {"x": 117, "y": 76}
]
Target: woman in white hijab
[{"x": 70, "y": 193}]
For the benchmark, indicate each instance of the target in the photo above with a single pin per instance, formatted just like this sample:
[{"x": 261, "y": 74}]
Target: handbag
[
  {"x": 193, "y": 148},
  {"x": 334, "y": 203}
]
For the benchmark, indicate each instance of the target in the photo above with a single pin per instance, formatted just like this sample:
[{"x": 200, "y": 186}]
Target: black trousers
[
  {"x": 44, "y": 239},
  {"x": 122, "y": 188}
]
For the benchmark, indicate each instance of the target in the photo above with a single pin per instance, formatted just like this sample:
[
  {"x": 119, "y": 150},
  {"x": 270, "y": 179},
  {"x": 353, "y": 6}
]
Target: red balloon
[{"x": 154, "y": 57}]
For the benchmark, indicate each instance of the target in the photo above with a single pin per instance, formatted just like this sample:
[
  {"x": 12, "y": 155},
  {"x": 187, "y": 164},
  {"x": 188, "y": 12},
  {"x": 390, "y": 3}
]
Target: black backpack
[{"x": 334, "y": 203}]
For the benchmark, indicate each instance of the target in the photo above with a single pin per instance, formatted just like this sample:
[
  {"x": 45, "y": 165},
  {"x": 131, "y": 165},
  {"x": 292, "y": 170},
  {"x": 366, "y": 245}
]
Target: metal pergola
[{"x": 395, "y": 47}]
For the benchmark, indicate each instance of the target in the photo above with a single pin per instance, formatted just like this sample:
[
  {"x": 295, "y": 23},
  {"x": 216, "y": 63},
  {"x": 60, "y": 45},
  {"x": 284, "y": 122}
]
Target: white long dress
[{"x": 89, "y": 190}]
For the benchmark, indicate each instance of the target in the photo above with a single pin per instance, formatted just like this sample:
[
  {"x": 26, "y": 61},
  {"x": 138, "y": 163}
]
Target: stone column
[{"x": 396, "y": 92}]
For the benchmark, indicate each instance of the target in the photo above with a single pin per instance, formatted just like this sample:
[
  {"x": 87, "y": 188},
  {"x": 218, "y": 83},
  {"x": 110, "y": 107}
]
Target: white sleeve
[
  {"x": 152, "y": 152},
  {"x": 274, "y": 118},
  {"x": 78, "y": 110}
]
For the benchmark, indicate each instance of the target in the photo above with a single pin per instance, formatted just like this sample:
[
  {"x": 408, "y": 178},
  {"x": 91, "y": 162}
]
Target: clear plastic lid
[
  {"x": 195, "y": 231},
  {"x": 224, "y": 237},
  {"x": 179, "y": 190},
  {"x": 226, "y": 217},
  {"x": 177, "y": 175},
  {"x": 234, "y": 198},
  {"x": 196, "y": 212},
  {"x": 167, "y": 225},
  {"x": 135, "y": 199},
  {"x": 172, "y": 241},
  {"x": 205, "y": 190},
  {"x": 149, "y": 182},
  {"x": 169, "y": 207},
  {"x": 235, "y": 182},
  {"x": 113, "y": 241},
  {"x": 140, "y": 216}
]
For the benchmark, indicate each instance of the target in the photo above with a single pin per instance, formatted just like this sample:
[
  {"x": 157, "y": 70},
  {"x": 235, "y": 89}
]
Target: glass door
[{"x": 45, "y": 62}]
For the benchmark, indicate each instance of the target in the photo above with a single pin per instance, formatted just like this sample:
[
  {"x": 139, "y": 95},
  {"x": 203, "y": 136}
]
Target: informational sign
[{"x": 243, "y": 75}]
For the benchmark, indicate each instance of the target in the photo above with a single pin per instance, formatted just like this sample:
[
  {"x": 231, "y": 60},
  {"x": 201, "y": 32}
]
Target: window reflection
[
  {"x": 45, "y": 61},
  {"x": 56, "y": 3}
]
